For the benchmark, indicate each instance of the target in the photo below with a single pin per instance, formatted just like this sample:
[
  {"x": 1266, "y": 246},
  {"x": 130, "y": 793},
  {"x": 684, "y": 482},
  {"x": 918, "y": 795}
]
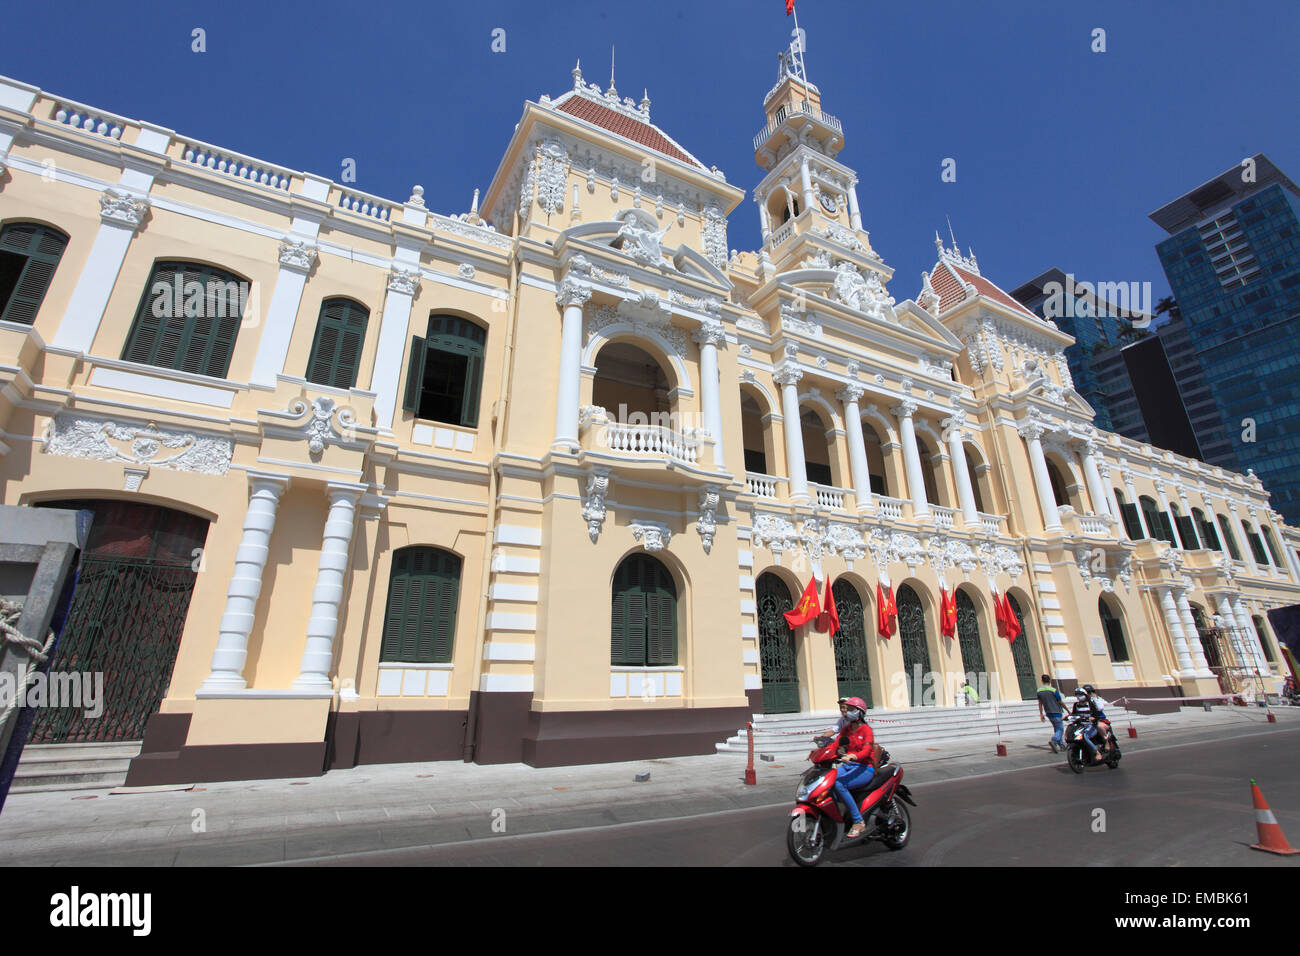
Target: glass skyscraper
[{"x": 1233, "y": 263}]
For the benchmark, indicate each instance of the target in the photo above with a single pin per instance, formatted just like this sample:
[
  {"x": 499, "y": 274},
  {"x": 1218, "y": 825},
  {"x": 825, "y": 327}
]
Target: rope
[{"x": 10, "y": 612}]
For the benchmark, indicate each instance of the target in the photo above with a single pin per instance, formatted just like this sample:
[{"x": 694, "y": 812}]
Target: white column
[
  {"x": 1247, "y": 553},
  {"x": 1185, "y": 665},
  {"x": 1249, "y": 637},
  {"x": 1201, "y": 543},
  {"x": 1112, "y": 502},
  {"x": 904, "y": 411},
  {"x": 227, "y": 671},
  {"x": 394, "y": 330},
  {"x": 787, "y": 375},
  {"x": 331, "y": 572},
  {"x": 855, "y": 217},
  {"x": 1096, "y": 490},
  {"x": 1193, "y": 635},
  {"x": 1164, "y": 509},
  {"x": 1032, "y": 432},
  {"x": 952, "y": 427},
  {"x": 709, "y": 335},
  {"x": 805, "y": 183},
  {"x": 849, "y": 395},
  {"x": 297, "y": 256},
  {"x": 121, "y": 215},
  {"x": 1133, "y": 497},
  {"x": 571, "y": 296}
]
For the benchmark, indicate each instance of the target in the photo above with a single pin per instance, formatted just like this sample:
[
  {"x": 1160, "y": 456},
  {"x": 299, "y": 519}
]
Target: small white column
[
  {"x": 121, "y": 213},
  {"x": 1112, "y": 502},
  {"x": 1133, "y": 497},
  {"x": 1251, "y": 638},
  {"x": 805, "y": 183},
  {"x": 1032, "y": 432},
  {"x": 710, "y": 335},
  {"x": 571, "y": 296},
  {"x": 1096, "y": 490},
  {"x": 855, "y": 217},
  {"x": 1201, "y": 543},
  {"x": 952, "y": 428},
  {"x": 787, "y": 375},
  {"x": 904, "y": 411},
  {"x": 1185, "y": 665},
  {"x": 1193, "y": 635},
  {"x": 394, "y": 332},
  {"x": 227, "y": 672},
  {"x": 297, "y": 256},
  {"x": 1165, "y": 510},
  {"x": 331, "y": 572},
  {"x": 849, "y": 395},
  {"x": 1247, "y": 553}
]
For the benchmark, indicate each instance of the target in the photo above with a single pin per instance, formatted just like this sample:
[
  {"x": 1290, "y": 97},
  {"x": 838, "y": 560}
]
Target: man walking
[{"x": 1050, "y": 707}]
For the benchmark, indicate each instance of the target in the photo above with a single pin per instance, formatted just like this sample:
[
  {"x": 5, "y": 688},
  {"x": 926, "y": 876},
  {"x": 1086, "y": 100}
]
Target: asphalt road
[{"x": 1183, "y": 805}]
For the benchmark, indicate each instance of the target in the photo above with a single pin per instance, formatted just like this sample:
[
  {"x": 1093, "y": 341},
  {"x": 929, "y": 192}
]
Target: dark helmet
[
  {"x": 1090, "y": 689},
  {"x": 1081, "y": 693}
]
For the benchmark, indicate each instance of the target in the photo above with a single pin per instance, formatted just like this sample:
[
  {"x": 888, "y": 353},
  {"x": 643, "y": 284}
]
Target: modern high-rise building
[{"x": 1233, "y": 263}]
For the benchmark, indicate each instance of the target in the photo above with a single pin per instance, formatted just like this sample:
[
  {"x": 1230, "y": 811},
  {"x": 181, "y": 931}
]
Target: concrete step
[{"x": 52, "y": 767}]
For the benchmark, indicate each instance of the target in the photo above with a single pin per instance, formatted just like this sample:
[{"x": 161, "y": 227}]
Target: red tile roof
[
  {"x": 622, "y": 125},
  {"x": 949, "y": 282}
]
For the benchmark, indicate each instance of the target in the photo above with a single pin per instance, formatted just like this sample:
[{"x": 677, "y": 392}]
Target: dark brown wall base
[
  {"x": 502, "y": 724},
  {"x": 409, "y": 736},
  {"x": 343, "y": 736},
  {"x": 227, "y": 762},
  {"x": 755, "y": 698},
  {"x": 556, "y": 739}
]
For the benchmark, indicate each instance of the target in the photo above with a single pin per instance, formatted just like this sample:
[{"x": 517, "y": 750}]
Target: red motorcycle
[{"x": 818, "y": 813}]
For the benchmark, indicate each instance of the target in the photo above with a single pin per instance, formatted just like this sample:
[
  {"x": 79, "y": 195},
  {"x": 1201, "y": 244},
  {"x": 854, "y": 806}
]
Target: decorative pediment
[{"x": 82, "y": 436}]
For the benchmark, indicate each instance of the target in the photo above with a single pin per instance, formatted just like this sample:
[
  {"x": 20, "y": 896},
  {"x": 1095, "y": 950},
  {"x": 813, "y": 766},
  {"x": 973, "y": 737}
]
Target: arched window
[
  {"x": 423, "y": 593},
  {"x": 1114, "y": 630},
  {"x": 816, "y": 447},
  {"x": 916, "y": 649},
  {"x": 1272, "y": 546},
  {"x": 753, "y": 434},
  {"x": 1186, "y": 533},
  {"x": 1058, "y": 485},
  {"x": 1156, "y": 520},
  {"x": 968, "y": 636},
  {"x": 643, "y": 619},
  {"x": 1208, "y": 534},
  {"x": 1256, "y": 546},
  {"x": 188, "y": 319},
  {"x": 1020, "y": 653},
  {"x": 978, "y": 477},
  {"x": 1132, "y": 523},
  {"x": 1262, "y": 633},
  {"x": 29, "y": 254},
  {"x": 875, "y": 460},
  {"x": 852, "y": 670},
  {"x": 1228, "y": 538},
  {"x": 928, "y": 466},
  {"x": 336, "y": 349},
  {"x": 446, "y": 371}
]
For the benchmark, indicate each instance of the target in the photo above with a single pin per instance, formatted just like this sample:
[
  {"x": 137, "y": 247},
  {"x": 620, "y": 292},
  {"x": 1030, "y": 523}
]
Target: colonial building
[{"x": 536, "y": 482}]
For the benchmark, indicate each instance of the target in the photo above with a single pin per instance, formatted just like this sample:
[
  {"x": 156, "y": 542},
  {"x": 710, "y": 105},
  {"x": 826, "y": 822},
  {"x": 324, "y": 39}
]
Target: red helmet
[{"x": 857, "y": 702}]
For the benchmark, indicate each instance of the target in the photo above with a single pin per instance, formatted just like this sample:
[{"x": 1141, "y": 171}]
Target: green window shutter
[
  {"x": 1272, "y": 547},
  {"x": 414, "y": 375},
  {"x": 1132, "y": 523},
  {"x": 473, "y": 384},
  {"x": 1256, "y": 548},
  {"x": 43, "y": 248},
  {"x": 446, "y": 584},
  {"x": 1229, "y": 539},
  {"x": 202, "y": 343},
  {"x": 423, "y": 594},
  {"x": 618, "y": 650},
  {"x": 461, "y": 337},
  {"x": 661, "y": 614},
  {"x": 336, "y": 351},
  {"x": 1186, "y": 533}
]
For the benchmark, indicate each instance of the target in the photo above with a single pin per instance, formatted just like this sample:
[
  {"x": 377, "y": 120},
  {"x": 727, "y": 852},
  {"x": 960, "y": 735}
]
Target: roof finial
[
  {"x": 577, "y": 75},
  {"x": 611, "y": 66},
  {"x": 950, "y": 233}
]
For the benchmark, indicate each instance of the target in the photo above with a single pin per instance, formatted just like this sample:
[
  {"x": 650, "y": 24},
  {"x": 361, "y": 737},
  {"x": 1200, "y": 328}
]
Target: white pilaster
[
  {"x": 1032, "y": 433},
  {"x": 331, "y": 572},
  {"x": 1133, "y": 497},
  {"x": 297, "y": 256},
  {"x": 1175, "y": 625},
  {"x": 787, "y": 375},
  {"x": 1247, "y": 553},
  {"x": 571, "y": 297},
  {"x": 1096, "y": 490},
  {"x": 394, "y": 329},
  {"x": 904, "y": 411},
  {"x": 709, "y": 335},
  {"x": 1165, "y": 510},
  {"x": 957, "y": 452},
  {"x": 805, "y": 183},
  {"x": 849, "y": 395},
  {"x": 228, "y": 659},
  {"x": 1193, "y": 635}
]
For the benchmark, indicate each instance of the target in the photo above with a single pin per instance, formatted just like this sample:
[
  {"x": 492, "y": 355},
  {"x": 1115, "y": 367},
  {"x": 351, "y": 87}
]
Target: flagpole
[{"x": 803, "y": 67}]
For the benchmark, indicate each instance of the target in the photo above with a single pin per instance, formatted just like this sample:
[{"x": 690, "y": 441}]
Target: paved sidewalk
[{"x": 421, "y": 804}]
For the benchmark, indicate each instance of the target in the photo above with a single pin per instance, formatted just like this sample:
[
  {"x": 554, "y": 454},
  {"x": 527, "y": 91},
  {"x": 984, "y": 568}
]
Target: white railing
[
  {"x": 766, "y": 132},
  {"x": 1091, "y": 524},
  {"x": 781, "y": 235},
  {"x": 651, "y": 440},
  {"x": 992, "y": 523},
  {"x": 233, "y": 164},
  {"x": 90, "y": 120},
  {"x": 364, "y": 204},
  {"x": 827, "y": 496},
  {"x": 764, "y": 486},
  {"x": 888, "y": 507},
  {"x": 944, "y": 517}
]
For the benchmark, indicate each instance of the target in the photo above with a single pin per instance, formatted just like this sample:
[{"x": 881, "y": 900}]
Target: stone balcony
[{"x": 687, "y": 454}]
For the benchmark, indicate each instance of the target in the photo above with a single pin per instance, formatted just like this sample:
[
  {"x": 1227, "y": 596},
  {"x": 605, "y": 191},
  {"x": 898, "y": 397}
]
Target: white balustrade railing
[
  {"x": 233, "y": 164},
  {"x": 363, "y": 204},
  {"x": 781, "y": 235},
  {"x": 651, "y": 440},
  {"x": 764, "y": 486},
  {"x": 944, "y": 517},
  {"x": 992, "y": 523},
  {"x": 96, "y": 122},
  {"x": 1091, "y": 524},
  {"x": 888, "y": 507},
  {"x": 827, "y": 496}
]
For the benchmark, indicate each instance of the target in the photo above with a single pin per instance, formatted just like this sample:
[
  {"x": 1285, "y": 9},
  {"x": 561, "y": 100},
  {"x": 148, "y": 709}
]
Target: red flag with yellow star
[
  {"x": 789, "y": 7},
  {"x": 807, "y": 608},
  {"x": 886, "y": 610},
  {"x": 947, "y": 612}
]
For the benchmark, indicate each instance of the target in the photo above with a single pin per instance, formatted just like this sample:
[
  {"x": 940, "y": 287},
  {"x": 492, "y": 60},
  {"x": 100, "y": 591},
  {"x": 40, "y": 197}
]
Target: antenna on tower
[
  {"x": 611, "y": 66},
  {"x": 950, "y": 233}
]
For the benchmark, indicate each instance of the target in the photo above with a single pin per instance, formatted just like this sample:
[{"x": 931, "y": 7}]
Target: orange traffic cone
[{"x": 1271, "y": 837}]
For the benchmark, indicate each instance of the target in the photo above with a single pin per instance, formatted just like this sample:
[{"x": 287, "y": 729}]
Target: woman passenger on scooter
[
  {"x": 1083, "y": 707},
  {"x": 856, "y": 769},
  {"x": 1103, "y": 724}
]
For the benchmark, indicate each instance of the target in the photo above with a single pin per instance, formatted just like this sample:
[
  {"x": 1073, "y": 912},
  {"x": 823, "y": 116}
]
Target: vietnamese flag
[
  {"x": 1013, "y": 625},
  {"x": 829, "y": 618},
  {"x": 1000, "y": 615},
  {"x": 789, "y": 7},
  {"x": 947, "y": 612},
  {"x": 886, "y": 610},
  {"x": 807, "y": 608}
]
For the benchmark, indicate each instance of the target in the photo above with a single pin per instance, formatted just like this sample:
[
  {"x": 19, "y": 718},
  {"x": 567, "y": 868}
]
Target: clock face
[{"x": 829, "y": 203}]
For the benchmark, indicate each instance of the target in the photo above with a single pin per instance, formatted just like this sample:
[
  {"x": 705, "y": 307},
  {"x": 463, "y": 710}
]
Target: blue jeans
[
  {"x": 852, "y": 774},
  {"x": 1087, "y": 737},
  {"x": 1058, "y": 728}
]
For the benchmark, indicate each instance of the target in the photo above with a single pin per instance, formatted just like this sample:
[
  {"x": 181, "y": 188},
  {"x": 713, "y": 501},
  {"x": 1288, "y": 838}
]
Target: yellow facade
[{"x": 604, "y": 285}]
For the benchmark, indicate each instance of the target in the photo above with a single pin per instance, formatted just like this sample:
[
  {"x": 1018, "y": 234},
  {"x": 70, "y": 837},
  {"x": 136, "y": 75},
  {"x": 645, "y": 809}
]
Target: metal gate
[
  {"x": 1020, "y": 652},
  {"x": 852, "y": 671},
  {"x": 916, "y": 653},
  {"x": 968, "y": 636},
  {"x": 118, "y": 647},
  {"x": 776, "y": 647}
]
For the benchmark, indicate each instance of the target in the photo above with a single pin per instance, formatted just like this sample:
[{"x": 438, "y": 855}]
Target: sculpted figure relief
[{"x": 642, "y": 244}]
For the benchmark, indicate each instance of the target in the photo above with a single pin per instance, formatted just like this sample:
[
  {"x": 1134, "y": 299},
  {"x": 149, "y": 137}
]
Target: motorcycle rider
[
  {"x": 1103, "y": 724},
  {"x": 856, "y": 770},
  {"x": 1083, "y": 708},
  {"x": 841, "y": 722}
]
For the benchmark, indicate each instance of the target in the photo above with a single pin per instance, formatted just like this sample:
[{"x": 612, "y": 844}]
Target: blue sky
[{"x": 1061, "y": 152}]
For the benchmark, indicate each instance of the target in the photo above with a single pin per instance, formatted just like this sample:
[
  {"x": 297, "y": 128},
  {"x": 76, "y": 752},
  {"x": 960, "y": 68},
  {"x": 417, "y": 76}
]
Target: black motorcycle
[{"x": 1079, "y": 755}]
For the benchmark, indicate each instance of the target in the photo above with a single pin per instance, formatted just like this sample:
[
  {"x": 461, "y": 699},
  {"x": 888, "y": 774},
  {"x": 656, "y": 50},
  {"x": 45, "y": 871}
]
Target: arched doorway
[
  {"x": 134, "y": 582},
  {"x": 1020, "y": 653},
  {"x": 916, "y": 652},
  {"x": 852, "y": 671},
  {"x": 630, "y": 382},
  {"x": 776, "y": 646},
  {"x": 968, "y": 636}
]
